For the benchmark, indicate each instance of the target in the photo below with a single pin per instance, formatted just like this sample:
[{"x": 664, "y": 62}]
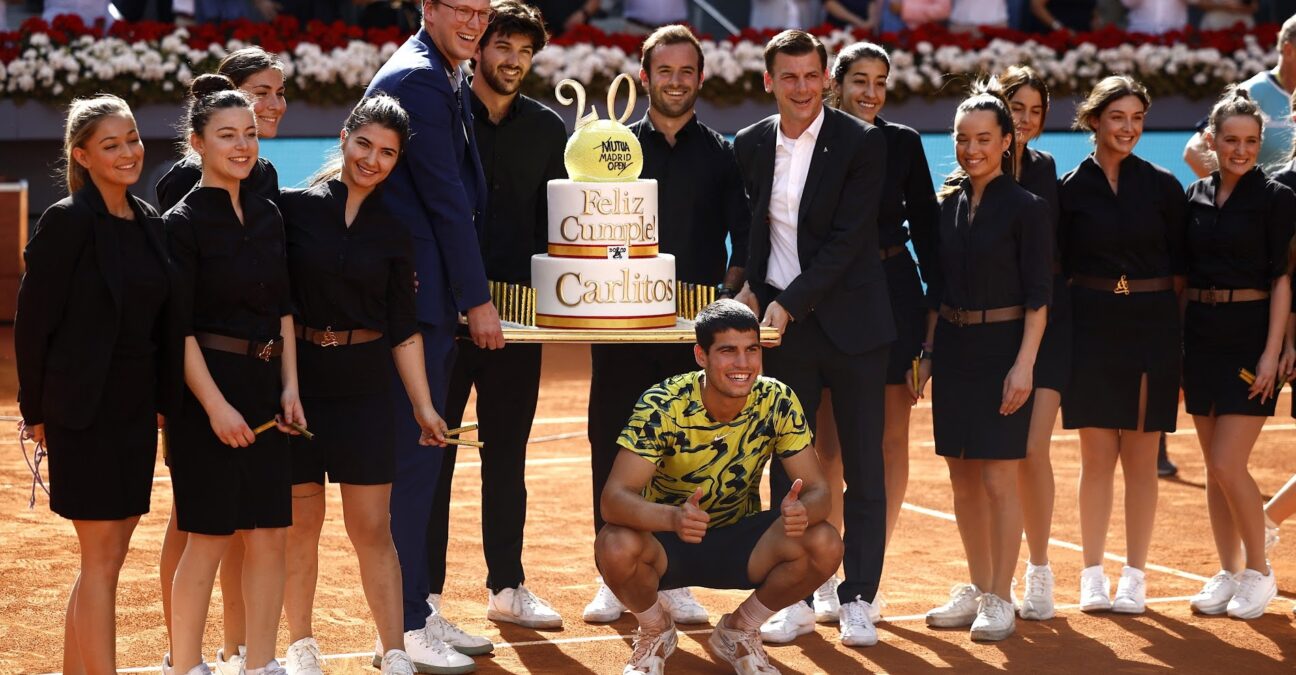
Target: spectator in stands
[
  {"x": 563, "y": 15},
  {"x": 967, "y": 15},
  {"x": 1076, "y": 16},
  {"x": 860, "y": 14},
  {"x": 780, "y": 14},
  {"x": 88, "y": 10},
  {"x": 915, "y": 13},
  {"x": 650, "y": 15},
  {"x": 1155, "y": 17},
  {"x": 1223, "y": 14}
]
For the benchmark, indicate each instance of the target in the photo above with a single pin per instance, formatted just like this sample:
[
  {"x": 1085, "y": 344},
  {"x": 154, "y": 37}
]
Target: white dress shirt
[
  {"x": 792, "y": 158},
  {"x": 1156, "y": 16}
]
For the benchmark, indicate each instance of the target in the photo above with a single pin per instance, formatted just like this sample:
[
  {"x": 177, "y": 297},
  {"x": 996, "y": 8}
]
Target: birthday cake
[{"x": 603, "y": 269}]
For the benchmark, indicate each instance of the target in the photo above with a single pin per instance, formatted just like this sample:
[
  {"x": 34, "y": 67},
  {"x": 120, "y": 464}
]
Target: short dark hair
[
  {"x": 720, "y": 316},
  {"x": 516, "y": 18},
  {"x": 242, "y": 64},
  {"x": 794, "y": 43},
  {"x": 1108, "y": 90},
  {"x": 666, "y": 36}
]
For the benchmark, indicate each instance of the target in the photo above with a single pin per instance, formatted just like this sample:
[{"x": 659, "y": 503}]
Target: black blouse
[
  {"x": 233, "y": 276},
  {"x": 1039, "y": 177},
  {"x": 1244, "y": 243},
  {"x": 1288, "y": 177},
  {"x": 186, "y": 173},
  {"x": 1137, "y": 232},
  {"x": 1001, "y": 258},
  {"x": 345, "y": 278},
  {"x": 144, "y": 291},
  {"x": 907, "y": 194}
]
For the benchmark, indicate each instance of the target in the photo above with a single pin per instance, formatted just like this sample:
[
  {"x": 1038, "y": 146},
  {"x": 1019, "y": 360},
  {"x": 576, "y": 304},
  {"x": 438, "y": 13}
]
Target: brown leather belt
[
  {"x": 973, "y": 317},
  {"x": 331, "y": 338},
  {"x": 224, "y": 343},
  {"x": 893, "y": 251},
  {"x": 1123, "y": 286},
  {"x": 1215, "y": 296}
]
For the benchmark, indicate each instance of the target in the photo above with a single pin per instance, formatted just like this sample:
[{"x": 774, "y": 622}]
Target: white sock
[
  {"x": 750, "y": 615},
  {"x": 654, "y": 619}
]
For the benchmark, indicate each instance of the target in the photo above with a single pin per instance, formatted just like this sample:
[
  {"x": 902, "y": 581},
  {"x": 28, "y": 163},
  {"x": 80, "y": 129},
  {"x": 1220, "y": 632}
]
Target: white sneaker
[
  {"x": 826, "y": 604},
  {"x": 396, "y": 662},
  {"x": 995, "y": 619},
  {"x": 1095, "y": 590},
  {"x": 683, "y": 607},
  {"x": 230, "y": 666},
  {"x": 428, "y": 655},
  {"x": 741, "y": 650},
  {"x": 522, "y": 607},
  {"x": 270, "y": 668},
  {"x": 1038, "y": 603},
  {"x": 200, "y": 669},
  {"x": 788, "y": 623},
  {"x": 1131, "y": 592},
  {"x": 440, "y": 628},
  {"x": 604, "y": 608},
  {"x": 875, "y": 608},
  {"x": 960, "y": 611},
  {"x": 651, "y": 651},
  {"x": 1271, "y": 536},
  {"x": 304, "y": 658},
  {"x": 857, "y": 628},
  {"x": 1214, "y": 597},
  {"x": 1254, "y": 592}
]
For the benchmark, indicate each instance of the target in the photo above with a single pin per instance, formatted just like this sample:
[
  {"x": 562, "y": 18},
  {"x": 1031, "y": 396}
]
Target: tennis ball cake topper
[{"x": 601, "y": 150}]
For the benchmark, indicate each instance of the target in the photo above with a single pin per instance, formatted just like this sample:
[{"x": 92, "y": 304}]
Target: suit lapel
[
  {"x": 765, "y": 168},
  {"x": 105, "y": 243},
  {"x": 818, "y": 163}
]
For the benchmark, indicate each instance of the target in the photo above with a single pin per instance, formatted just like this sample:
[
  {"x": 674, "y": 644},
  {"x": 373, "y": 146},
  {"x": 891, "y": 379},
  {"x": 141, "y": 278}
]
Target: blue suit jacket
[{"x": 437, "y": 189}]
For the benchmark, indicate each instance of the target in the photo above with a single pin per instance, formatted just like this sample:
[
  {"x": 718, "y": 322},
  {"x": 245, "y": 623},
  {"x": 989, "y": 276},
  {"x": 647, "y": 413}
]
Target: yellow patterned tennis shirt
[{"x": 671, "y": 428}]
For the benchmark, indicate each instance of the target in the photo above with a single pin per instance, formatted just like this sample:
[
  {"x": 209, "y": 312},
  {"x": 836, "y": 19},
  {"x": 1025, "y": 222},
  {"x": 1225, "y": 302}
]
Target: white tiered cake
[{"x": 603, "y": 269}]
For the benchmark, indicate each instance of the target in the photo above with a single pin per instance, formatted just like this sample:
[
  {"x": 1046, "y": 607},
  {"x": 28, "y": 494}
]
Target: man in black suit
[{"x": 813, "y": 177}]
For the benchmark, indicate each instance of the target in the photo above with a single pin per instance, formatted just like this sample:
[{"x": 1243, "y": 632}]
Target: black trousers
[
  {"x": 621, "y": 374},
  {"x": 809, "y": 362},
  {"x": 508, "y": 383}
]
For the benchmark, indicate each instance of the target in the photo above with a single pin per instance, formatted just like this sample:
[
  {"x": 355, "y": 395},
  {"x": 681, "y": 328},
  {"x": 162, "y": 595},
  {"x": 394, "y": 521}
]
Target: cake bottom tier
[{"x": 610, "y": 294}]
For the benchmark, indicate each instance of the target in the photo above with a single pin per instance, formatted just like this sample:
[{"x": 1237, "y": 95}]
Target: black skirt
[
  {"x": 1119, "y": 338},
  {"x": 355, "y": 440},
  {"x": 968, "y": 375},
  {"x": 1053, "y": 364},
  {"x": 105, "y": 471},
  {"x": 1219, "y": 340},
  {"x": 219, "y": 489},
  {"x": 910, "y": 313}
]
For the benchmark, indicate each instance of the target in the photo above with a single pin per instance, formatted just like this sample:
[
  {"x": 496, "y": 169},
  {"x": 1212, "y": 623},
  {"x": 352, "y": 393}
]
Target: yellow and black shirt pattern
[{"x": 672, "y": 429}]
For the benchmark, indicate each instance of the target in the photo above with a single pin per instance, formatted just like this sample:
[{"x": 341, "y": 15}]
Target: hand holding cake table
[{"x": 603, "y": 279}]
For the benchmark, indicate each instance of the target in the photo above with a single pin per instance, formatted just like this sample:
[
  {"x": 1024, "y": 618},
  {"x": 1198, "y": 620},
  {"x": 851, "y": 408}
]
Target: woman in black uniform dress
[
  {"x": 989, "y": 298},
  {"x": 1282, "y": 505},
  {"x": 228, "y": 245},
  {"x": 1121, "y": 233},
  {"x": 859, "y": 88},
  {"x": 1028, "y": 98},
  {"x": 94, "y": 368},
  {"x": 259, "y": 74},
  {"x": 1239, "y": 297},
  {"x": 353, "y": 282}
]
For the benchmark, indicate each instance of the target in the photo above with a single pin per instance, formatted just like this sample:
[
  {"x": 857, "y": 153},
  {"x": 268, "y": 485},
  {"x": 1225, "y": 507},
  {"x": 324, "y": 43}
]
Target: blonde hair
[{"x": 84, "y": 116}]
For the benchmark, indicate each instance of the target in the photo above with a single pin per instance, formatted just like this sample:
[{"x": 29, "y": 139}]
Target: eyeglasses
[{"x": 465, "y": 14}]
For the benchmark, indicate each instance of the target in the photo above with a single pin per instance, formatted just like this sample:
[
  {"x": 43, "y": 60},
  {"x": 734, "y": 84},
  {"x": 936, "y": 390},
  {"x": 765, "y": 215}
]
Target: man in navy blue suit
[{"x": 439, "y": 191}]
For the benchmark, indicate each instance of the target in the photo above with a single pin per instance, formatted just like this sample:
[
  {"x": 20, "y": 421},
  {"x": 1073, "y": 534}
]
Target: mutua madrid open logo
[{"x": 616, "y": 155}]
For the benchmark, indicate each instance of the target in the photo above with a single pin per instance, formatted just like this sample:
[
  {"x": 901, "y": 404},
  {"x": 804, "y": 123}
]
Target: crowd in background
[{"x": 875, "y": 16}]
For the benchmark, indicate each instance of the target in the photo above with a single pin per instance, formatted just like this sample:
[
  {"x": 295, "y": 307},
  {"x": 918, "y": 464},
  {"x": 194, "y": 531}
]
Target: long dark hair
[
  {"x": 984, "y": 95},
  {"x": 379, "y": 109},
  {"x": 242, "y": 64}
]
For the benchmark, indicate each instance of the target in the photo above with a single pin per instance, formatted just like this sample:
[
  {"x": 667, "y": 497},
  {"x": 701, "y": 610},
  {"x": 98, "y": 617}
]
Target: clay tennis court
[{"x": 38, "y": 560}]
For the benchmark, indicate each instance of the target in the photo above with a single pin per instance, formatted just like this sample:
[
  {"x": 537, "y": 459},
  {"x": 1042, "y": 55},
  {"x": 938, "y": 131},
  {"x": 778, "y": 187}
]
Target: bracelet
[
  {"x": 724, "y": 292},
  {"x": 927, "y": 354}
]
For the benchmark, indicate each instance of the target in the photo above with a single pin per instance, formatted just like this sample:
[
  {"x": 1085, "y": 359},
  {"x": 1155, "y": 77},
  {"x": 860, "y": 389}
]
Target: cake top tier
[
  {"x": 603, "y": 220},
  {"x": 602, "y": 150}
]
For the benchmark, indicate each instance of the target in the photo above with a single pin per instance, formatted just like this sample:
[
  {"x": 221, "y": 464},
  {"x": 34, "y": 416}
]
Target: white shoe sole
[
  {"x": 936, "y": 621},
  {"x": 860, "y": 641},
  {"x": 431, "y": 669},
  {"x": 1128, "y": 608},
  {"x": 1209, "y": 610},
  {"x": 1101, "y": 606},
  {"x": 1256, "y": 612},
  {"x": 986, "y": 635},
  {"x": 782, "y": 639},
  {"x": 470, "y": 651},
  {"x": 1035, "y": 614},
  {"x": 826, "y": 617},
  {"x": 550, "y": 624},
  {"x": 601, "y": 617}
]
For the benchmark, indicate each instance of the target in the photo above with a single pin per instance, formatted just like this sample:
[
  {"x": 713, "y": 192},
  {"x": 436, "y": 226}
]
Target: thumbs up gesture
[
  {"x": 794, "y": 512},
  {"x": 690, "y": 520}
]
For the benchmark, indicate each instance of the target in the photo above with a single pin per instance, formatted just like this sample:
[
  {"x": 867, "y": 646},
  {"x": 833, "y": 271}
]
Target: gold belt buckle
[
  {"x": 960, "y": 318},
  {"x": 330, "y": 339},
  {"x": 267, "y": 350},
  {"x": 1122, "y": 286},
  {"x": 1208, "y": 296}
]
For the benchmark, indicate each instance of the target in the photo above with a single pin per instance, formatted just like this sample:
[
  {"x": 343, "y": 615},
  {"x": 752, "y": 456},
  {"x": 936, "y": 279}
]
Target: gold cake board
[{"x": 683, "y": 332}]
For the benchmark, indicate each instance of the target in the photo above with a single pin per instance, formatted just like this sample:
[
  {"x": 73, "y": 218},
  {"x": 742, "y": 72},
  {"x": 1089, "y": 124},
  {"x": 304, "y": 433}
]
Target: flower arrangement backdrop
[{"x": 331, "y": 64}]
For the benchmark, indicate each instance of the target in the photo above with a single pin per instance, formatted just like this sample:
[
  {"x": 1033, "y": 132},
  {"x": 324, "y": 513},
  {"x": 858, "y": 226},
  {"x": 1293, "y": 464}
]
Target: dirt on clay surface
[{"x": 38, "y": 561}]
